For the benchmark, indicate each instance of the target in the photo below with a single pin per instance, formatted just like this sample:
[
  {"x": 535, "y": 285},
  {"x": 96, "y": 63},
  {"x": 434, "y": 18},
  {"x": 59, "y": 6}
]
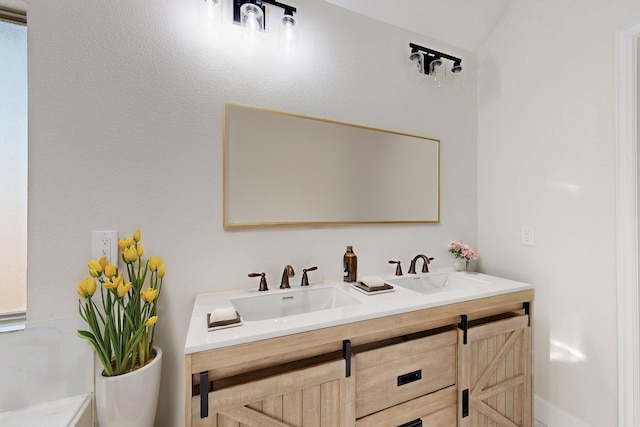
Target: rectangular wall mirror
[{"x": 288, "y": 169}]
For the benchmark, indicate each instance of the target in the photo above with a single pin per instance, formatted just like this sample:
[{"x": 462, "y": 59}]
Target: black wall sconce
[
  {"x": 251, "y": 16},
  {"x": 430, "y": 62},
  {"x": 252, "y": 12}
]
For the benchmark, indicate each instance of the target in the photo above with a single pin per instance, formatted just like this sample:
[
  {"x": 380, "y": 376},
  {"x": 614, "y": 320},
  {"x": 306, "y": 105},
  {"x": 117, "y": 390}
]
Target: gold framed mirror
[{"x": 287, "y": 169}]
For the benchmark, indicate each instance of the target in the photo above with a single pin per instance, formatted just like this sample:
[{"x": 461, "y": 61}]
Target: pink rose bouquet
[{"x": 460, "y": 250}]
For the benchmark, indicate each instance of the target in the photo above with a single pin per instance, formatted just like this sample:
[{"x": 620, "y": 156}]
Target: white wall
[
  {"x": 546, "y": 158},
  {"x": 125, "y": 123}
]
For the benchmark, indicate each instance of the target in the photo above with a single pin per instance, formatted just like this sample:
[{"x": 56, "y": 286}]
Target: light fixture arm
[{"x": 288, "y": 10}]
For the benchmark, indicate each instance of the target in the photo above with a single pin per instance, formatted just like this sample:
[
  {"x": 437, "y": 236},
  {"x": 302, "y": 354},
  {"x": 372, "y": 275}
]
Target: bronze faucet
[
  {"x": 263, "y": 281},
  {"x": 288, "y": 272},
  {"x": 425, "y": 265},
  {"x": 305, "y": 278},
  {"x": 398, "y": 268}
]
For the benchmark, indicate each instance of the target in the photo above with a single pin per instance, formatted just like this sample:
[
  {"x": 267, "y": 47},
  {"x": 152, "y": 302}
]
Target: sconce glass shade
[
  {"x": 437, "y": 71},
  {"x": 434, "y": 65},
  {"x": 457, "y": 67},
  {"x": 455, "y": 80},
  {"x": 210, "y": 16},
  {"x": 252, "y": 17},
  {"x": 415, "y": 63},
  {"x": 288, "y": 37}
]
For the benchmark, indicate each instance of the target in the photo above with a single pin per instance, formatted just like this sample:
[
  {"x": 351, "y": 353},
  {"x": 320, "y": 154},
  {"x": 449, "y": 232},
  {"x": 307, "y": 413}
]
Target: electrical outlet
[
  {"x": 105, "y": 244},
  {"x": 528, "y": 236}
]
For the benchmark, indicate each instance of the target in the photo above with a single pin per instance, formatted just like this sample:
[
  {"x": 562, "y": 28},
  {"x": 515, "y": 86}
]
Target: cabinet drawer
[
  {"x": 446, "y": 417},
  {"x": 400, "y": 372},
  {"x": 432, "y": 410}
]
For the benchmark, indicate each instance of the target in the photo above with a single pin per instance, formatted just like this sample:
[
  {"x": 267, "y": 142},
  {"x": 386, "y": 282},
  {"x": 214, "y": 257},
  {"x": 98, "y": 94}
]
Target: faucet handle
[
  {"x": 305, "y": 278},
  {"x": 263, "y": 281},
  {"x": 398, "y": 268}
]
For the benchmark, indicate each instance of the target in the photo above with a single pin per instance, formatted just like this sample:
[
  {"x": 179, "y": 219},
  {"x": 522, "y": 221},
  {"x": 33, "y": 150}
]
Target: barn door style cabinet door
[
  {"x": 495, "y": 371},
  {"x": 320, "y": 395}
]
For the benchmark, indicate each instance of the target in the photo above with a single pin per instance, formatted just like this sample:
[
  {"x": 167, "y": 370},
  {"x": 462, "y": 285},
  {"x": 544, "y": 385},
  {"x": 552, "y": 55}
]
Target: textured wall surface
[{"x": 125, "y": 124}]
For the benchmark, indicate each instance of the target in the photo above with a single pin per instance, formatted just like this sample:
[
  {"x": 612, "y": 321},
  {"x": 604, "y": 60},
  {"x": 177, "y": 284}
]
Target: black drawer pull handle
[
  {"x": 409, "y": 378},
  {"x": 414, "y": 423}
]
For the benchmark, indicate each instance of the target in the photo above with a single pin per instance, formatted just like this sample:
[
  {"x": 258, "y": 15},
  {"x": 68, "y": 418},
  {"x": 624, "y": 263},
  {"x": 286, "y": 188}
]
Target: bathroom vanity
[{"x": 442, "y": 349}]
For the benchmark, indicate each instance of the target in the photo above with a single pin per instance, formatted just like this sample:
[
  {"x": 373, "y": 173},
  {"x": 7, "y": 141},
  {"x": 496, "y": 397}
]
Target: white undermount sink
[
  {"x": 431, "y": 283},
  {"x": 275, "y": 304}
]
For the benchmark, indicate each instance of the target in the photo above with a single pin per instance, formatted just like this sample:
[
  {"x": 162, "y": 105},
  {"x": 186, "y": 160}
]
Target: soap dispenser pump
[{"x": 350, "y": 263}]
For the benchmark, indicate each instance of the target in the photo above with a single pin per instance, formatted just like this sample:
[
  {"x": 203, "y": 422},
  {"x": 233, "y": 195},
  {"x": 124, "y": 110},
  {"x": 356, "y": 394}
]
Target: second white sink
[
  {"x": 275, "y": 304},
  {"x": 431, "y": 283}
]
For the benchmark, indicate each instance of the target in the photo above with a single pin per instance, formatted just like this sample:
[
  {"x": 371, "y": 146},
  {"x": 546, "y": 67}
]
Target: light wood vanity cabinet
[{"x": 464, "y": 364}]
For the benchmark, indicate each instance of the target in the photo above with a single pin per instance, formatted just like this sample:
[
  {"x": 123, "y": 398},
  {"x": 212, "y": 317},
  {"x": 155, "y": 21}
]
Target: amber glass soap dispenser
[{"x": 350, "y": 262}]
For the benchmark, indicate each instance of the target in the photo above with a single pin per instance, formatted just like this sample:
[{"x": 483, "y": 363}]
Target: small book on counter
[{"x": 372, "y": 285}]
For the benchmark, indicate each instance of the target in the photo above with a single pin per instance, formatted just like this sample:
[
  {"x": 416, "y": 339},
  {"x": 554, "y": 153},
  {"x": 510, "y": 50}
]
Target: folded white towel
[
  {"x": 372, "y": 281},
  {"x": 222, "y": 314}
]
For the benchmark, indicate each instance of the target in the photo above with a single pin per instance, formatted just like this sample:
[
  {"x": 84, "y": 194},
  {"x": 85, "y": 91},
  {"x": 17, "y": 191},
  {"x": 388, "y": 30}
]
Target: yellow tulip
[
  {"x": 103, "y": 262},
  {"x": 161, "y": 271},
  {"x": 136, "y": 235},
  {"x": 94, "y": 268},
  {"x": 81, "y": 290},
  {"x": 151, "y": 321},
  {"x": 140, "y": 249},
  {"x": 125, "y": 243},
  {"x": 110, "y": 270},
  {"x": 87, "y": 287},
  {"x": 123, "y": 289},
  {"x": 113, "y": 282},
  {"x": 91, "y": 286},
  {"x": 153, "y": 263},
  {"x": 130, "y": 254},
  {"x": 148, "y": 295}
]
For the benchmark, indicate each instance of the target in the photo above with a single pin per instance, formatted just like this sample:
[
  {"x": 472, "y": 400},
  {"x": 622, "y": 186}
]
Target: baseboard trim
[{"x": 552, "y": 416}]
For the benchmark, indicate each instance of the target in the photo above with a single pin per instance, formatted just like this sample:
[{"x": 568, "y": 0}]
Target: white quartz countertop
[{"x": 401, "y": 300}]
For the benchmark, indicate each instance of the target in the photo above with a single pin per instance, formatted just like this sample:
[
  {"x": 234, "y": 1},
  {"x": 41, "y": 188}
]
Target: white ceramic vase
[
  {"x": 460, "y": 264},
  {"x": 129, "y": 400}
]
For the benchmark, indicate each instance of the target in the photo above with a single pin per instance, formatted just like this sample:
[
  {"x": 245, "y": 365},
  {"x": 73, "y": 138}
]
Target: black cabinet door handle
[{"x": 410, "y": 377}]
